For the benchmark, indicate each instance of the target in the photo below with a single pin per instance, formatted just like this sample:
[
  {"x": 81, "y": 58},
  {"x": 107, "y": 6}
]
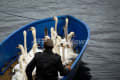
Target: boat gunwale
[{"x": 24, "y": 26}]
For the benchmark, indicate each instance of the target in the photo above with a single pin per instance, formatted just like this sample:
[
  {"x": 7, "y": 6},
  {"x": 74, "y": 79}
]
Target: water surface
[{"x": 102, "y": 16}]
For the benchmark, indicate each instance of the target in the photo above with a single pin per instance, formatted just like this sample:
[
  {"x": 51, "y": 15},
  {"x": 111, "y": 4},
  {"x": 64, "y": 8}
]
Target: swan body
[
  {"x": 66, "y": 52},
  {"x": 19, "y": 73},
  {"x": 18, "y": 76}
]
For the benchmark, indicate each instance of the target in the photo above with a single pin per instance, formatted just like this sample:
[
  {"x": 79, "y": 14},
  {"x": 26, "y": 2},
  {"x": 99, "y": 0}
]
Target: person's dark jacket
[{"x": 47, "y": 66}]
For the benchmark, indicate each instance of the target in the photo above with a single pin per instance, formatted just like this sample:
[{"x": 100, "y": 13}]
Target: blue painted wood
[{"x": 8, "y": 46}]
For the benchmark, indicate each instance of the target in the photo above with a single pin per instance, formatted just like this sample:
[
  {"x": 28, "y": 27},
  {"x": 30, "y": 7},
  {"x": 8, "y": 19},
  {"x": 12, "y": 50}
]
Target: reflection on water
[
  {"x": 83, "y": 72},
  {"x": 103, "y": 17}
]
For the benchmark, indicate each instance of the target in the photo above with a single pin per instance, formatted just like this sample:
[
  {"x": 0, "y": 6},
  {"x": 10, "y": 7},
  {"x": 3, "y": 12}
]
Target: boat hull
[{"x": 9, "y": 53}]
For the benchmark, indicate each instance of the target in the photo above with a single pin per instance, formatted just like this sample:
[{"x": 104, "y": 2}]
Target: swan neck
[
  {"x": 34, "y": 48},
  {"x": 56, "y": 22},
  {"x": 34, "y": 36},
  {"x": 25, "y": 43},
  {"x": 22, "y": 50},
  {"x": 66, "y": 30}
]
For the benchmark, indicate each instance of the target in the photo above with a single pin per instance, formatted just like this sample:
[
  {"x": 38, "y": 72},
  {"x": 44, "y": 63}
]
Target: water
[{"x": 103, "y": 17}]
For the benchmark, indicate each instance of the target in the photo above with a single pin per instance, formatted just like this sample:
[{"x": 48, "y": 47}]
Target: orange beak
[
  {"x": 17, "y": 47},
  {"x": 29, "y": 29},
  {"x": 38, "y": 45}
]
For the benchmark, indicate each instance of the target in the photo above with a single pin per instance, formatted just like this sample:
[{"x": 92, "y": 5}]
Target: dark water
[{"x": 103, "y": 17}]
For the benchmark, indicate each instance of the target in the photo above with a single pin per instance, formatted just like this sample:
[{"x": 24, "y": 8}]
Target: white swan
[
  {"x": 23, "y": 58},
  {"x": 27, "y": 56},
  {"x": 19, "y": 69},
  {"x": 66, "y": 52},
  {"x": 34, "y": 40}
]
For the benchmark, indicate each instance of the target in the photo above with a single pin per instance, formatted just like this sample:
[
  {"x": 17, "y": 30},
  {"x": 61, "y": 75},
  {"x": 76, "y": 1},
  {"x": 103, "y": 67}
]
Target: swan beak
[
  {"x": 73, "y": 36},
  {"x": 38, "y": 45},
  {"x": 55, "y": 18},
  {"x": 62, "y": 45},
  {"x": 68, "y": 46},
  {"x": 29, "y": 29},
  {"x": 17, "y": 47}
]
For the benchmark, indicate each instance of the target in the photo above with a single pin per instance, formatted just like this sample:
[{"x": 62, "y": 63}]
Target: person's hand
[{"x": 68, "y": 67}]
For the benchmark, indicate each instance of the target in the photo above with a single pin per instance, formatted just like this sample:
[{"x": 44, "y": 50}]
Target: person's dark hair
[{"x": 48, "y": 44}]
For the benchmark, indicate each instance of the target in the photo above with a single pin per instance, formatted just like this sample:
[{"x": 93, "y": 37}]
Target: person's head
[{"x": 48, "y": 44}]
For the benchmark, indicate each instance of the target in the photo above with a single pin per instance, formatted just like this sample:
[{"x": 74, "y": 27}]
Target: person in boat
[{"x": 47, "y": 64}]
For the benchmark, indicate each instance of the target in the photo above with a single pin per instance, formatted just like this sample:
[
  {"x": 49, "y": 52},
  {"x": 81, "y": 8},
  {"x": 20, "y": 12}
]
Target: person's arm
[
  {"x": 63, "y": 70},
  {"x": 30, "y": 68}
]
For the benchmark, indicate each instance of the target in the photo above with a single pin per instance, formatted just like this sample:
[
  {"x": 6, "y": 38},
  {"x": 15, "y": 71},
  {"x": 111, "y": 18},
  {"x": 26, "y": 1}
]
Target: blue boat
[{"x": 9, "y": 53}]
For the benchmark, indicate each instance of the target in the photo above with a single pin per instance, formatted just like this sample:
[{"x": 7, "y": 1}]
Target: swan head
[
  {"x": 24, "y": 32},
  {"x": 32, "y": 28},
  {"x": 72, "y": 33},
  {"x": 55, "y": 18},
  {"x": 20, "y": 46},
  {"x": 46, "y": 38},
  {"x": 52, "y": 29},
  {"x": 66, "y": 20},
  {"x": 33, "y": 32}
]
